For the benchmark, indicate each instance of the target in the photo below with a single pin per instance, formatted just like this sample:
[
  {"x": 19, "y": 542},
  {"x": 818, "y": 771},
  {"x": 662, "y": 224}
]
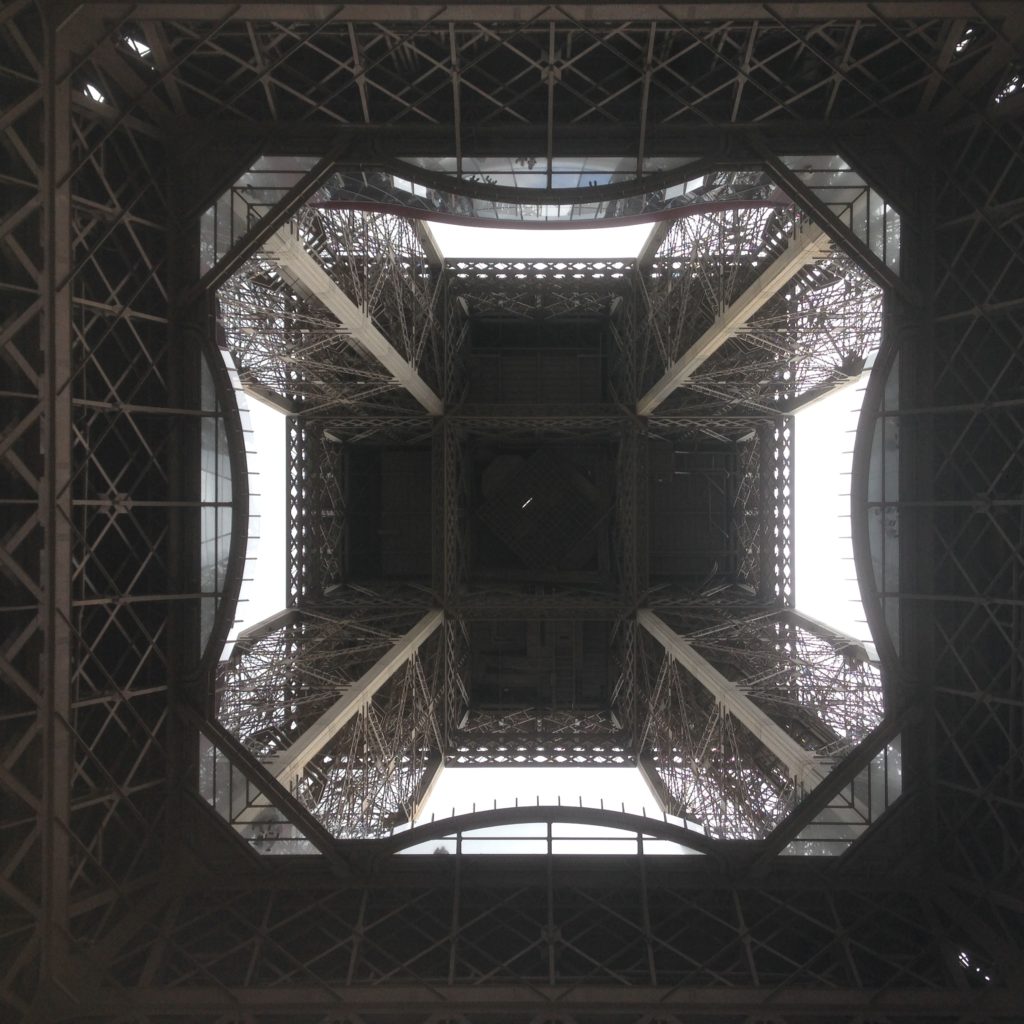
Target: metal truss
[
  {"x": 819, "y": 687},
  {"x": 575, "y": 935},
  {"x": 704, "y": 263},
  {"x": 810, "y": 331},
  {"x": 118, "y": 904},
  {"x": 539, "y": 288},
  {"x": 393, "y": 70},
  {"x": 631, "y": 466},
  {"x": 748, "y": 511},
  {"x": 815, "y": 336},
  {"x": 290, "y": 344},
  {"x": 282, "y": 685},
  {"x": 455, "y": 328},
  {"x": 379, "y": 262},
  {"x": 540, "y": 737},
  {"x": 453, "y": 492},
  {"x": 316, "y": 510},
  {"x": 368, "y": 778},
  {"x": 708, "y": 767},
  {"x": 295, "y": 349},
  {"x": 970, "y": 503},
  {"x": 777, "y": 509}
]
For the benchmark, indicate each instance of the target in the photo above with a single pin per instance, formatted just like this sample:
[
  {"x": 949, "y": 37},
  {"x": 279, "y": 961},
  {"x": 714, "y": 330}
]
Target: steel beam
[
  {"x": 435, "y": 260},
  {"x": 818, "y": 393},
  {"x": 640, "y": 1002},
  {"x": 263, "y": 628},
  {"x": 288, "y": 765},
  {"x": 307, "y": 276},
  {"x": 801, "y": 764},
  {"x": 648, "y": 769},
  {"x": 425, "y": 788},
  {"x": 720, "y": 10},
  {"x": 842, "y": 642},
  {"x": 808, "y": 244}
]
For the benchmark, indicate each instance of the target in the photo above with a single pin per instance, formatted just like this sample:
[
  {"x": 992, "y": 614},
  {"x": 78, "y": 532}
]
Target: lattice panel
[
  {"x": 626, "y": 926},
  {"x": 974, "y": 509},
  {"x": 86, "y": 754},
  {"x": 28, "y": 357},
  {"x": 399, "y": 72}
]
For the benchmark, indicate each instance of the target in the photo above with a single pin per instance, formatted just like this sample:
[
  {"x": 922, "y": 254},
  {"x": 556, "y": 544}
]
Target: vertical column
[{"x": 55, "y": 506}]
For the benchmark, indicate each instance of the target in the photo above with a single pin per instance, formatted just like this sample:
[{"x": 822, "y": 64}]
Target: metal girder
[
  {"x": 379, "y": 1003},
  {"x": 841, "y": 641},
  {"x": 288, "y": 765},
  {"x": 285, "y": 248},
  {"x": 717, "y": 69},
  {"x": 808, "y": 244},
  {"x": 802, "y": 765},
  {"x": 425, "y": 788},
  {"x": 645, "y": 12}
]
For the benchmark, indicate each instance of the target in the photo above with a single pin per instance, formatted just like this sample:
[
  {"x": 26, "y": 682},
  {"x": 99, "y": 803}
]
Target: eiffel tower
[{"x": 540, "y": 511}]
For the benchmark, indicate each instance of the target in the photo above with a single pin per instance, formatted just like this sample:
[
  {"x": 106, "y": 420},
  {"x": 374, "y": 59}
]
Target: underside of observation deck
[{"x": 464, "y": 627}]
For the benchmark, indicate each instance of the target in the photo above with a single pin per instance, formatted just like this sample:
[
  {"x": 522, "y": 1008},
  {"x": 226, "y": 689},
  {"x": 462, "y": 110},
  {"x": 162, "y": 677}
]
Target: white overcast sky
[{"x": 826, "y": 586}]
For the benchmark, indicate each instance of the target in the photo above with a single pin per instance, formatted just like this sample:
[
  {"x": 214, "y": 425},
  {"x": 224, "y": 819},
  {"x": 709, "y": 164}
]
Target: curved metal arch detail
[{"x": 653, "y": 828}]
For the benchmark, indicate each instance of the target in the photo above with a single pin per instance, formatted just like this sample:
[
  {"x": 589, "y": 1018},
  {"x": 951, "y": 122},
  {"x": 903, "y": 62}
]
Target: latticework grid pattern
[{"x": 121, "y": 899}]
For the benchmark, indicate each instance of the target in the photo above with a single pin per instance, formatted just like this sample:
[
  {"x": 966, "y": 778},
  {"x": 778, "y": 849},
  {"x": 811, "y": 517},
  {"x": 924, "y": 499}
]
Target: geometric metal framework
[
  {"x": 124, "y": 897},
  {"x": 531, "y": 352}
]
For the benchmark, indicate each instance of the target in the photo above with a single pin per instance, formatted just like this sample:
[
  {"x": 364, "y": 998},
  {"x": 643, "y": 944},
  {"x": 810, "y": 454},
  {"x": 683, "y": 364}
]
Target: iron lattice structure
[
  {"x": 291, "y": 346},
  {"x": 124, "y": 898}
]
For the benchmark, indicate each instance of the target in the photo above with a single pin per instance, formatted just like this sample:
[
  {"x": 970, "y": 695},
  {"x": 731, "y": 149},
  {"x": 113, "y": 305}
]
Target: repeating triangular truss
[{"x": 123, "y": 897}]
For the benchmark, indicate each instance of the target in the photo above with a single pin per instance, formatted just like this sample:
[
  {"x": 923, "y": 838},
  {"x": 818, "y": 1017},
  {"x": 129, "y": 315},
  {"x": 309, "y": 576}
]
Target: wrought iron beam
[
  {"x": 808, "y": 244},
  {"x": 802, "y": 765},
  {"x": 836, "y": 1003},
  {"x": 288, "y": 765},
  {"x": 285, "y": 248}
]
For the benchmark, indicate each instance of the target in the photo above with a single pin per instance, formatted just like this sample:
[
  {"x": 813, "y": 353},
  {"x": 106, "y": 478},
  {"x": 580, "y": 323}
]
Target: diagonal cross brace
[
  {"x": 306, "y": 275},
  {"x": 807, "y": 245},
  {"x": 802, "y": 765},
  {"x": 288, "y": 765}
]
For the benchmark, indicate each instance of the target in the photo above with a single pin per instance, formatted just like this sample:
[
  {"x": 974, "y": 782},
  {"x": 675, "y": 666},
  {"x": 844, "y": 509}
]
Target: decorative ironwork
[
  {"x": 123, "y": 901},
  {"x": 294, "y": 348},
  {"x": 821, "y": 688},
  {"x": 539, "y": 737}
]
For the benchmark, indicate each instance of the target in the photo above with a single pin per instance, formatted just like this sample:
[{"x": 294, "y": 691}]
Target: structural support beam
[
  {"x": 430, "y": 247},
  {"x": 808, "y": 244},
  {"x": 288, "y": 765},
  {"x": 655, "y": 240},
  {"x": 840, "y": 380},
  {"x": 271, "y": 624},
  {"x": 801, "y": 764},
  {"x": 848, "y": 645},
  {"x": 425, "y": 788},
  {"x": 655, "y": 783},
  {"x": 310, "y": 279},
  {"x": 261, "y": 393}
]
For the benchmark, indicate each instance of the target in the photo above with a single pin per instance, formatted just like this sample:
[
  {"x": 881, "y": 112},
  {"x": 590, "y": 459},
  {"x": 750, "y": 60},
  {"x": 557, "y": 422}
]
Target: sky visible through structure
[{"x": 826, "y": 586}]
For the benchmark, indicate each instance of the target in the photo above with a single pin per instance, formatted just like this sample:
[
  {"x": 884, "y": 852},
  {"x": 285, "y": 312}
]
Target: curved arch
[
  {"x": 448, "y": 199},
  {"x": 654, "y": 217},
  {"x": 550, "y": 814},
  {"x": 596, "y": 193},
  {"x": 214, "y": 354},
  {"x": 863, "y": 448}
]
